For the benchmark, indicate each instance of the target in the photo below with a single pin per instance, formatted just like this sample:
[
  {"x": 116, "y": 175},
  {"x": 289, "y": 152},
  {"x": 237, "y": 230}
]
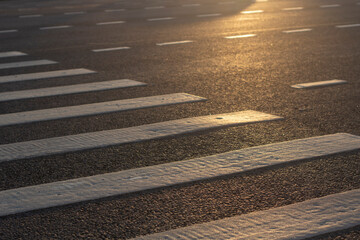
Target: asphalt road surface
[{"x": 239, "y": 55}]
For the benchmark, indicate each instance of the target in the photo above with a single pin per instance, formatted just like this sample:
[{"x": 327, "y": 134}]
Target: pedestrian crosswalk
[
  {"x": 11, "y": 54},
  {"x": 69, "y": 89},
  {"x": 25, "y": 64},
  {"x": 140, "y": 179},
  {"x": 298, "y": 220},
  {"x": 45, "y": 75},
  {"x": 96, "y": 108},
  {"x": 72, "y": 143}
]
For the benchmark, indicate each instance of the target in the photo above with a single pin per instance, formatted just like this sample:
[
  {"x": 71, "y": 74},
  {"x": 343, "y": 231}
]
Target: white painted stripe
[
  {"x": 261, "y": 0},
  {"x": 109, "y": 23},
  {"x": 298, "y": 30},
  {"x": 44, "y": 75},
  {"x": 172, "y": 43},
  {"x": 110, "y": 49},
  {"x": 293, "y": 9},
  {"x": 164, "y": 175},
  {"x": 160, "y": 19},
  {"x": 155, "y": 7},
  {"x": 209, "y": 15},
  {"x": 241, "y": 36},
  {"x": 8, "y": 31},
  {"x": 226, "y": 3},
  {"x": 330, "y": 6},
  {"x": 55, "y": 27},
  {"x": 25, "y": 64},
  {"x": 74, "y": 13},
  {"x": 11, "y": 54},
  {"x": 70, "y": 89},
  {"x": 296, "y": 221},
  {"x": 319, "y": 84},
  {"x": 31, "y": 16},
  {"x": 191, "y": 5},
  {"x": 114, "y": 10},
  {"x": 73, "y": 143},
  {"x": 348, "y": 25},
  {"x": 254, "y": 11},
  {"x": 96, "y": 108}
]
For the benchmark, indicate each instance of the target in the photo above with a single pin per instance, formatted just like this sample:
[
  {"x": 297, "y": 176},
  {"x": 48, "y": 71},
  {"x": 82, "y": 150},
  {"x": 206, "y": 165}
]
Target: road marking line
[
  {"x": 261, "y": 0},
  {"x": 31, "y": 16},
  {"x": 55, "y": 27},
  {"x": 253, "y": 11},
  {"x": 69, "y": 89},
  {"x": 109, "y": 23},
  {"x": 226, "y": 3},
  {"x": 153, "y": 8},
  {"x": 164, "y": 175},
  {"x": 319, "y": 84},
  {"x": 209, "y": 15},
  {"x": 160, "y": 19},
  {"x": 74, "y": 13},
  {"x": 298, "y": 30},
  {"x": 330, "y": 6},
  {"x": 191, "y": 5},
  {"x": 348, "y": 25},
  {"x": 292, "y": 9},
  {"x": 295, "y": 221},
  {"x": 84, "y": 141},
  {"x": 26, "y": 64},
  {"x": 96, "y": 108},
  {"x": 44, "y": 75},
  {"x": 172, "y": 43},
  {"x": 241, "y": 36},
  {"x": 8, "y": 31},
  {"x": 11, "y": 54},
  {"x": 114, "y": 10},
  {"x": 110, "y": 49}
]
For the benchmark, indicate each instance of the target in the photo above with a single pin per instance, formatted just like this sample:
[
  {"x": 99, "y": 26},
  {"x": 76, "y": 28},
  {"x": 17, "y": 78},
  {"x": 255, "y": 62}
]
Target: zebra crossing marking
[
  {"x": 91, "y": 140},
  {"x": 96, "y": 108},
  {"x": 209, "y": 15},
  {"x": 153, "y": 8},
  {"x": 160, "y": 19},
  {"x": 69, "y": 89},
  {"x": 8, "y": 31},
  {"x": 110, "y": 23},
  {"x": 134, "y": 180},
  {"x": 11, "y": 54},
  {"x": 31, "y": 16},
  {"x": 319, "y": 84},
  {"x": 55, "y": 27},
  {"x": 330, "y": 6},
  {"x": 110, "y": 49},
  {"x": 253, "y": 11},
  {"x": 348, "y": 25},
  {"x": 298, "y": 30},
  {"x": 173, "y": 43},
  {"x": 241, "y": 36},
  {"x": 295, "y": 221},
  {"x": 45, "y": 75},
  {"x": 26, "y": 64},
  {"x": 292, "y": 9}
]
